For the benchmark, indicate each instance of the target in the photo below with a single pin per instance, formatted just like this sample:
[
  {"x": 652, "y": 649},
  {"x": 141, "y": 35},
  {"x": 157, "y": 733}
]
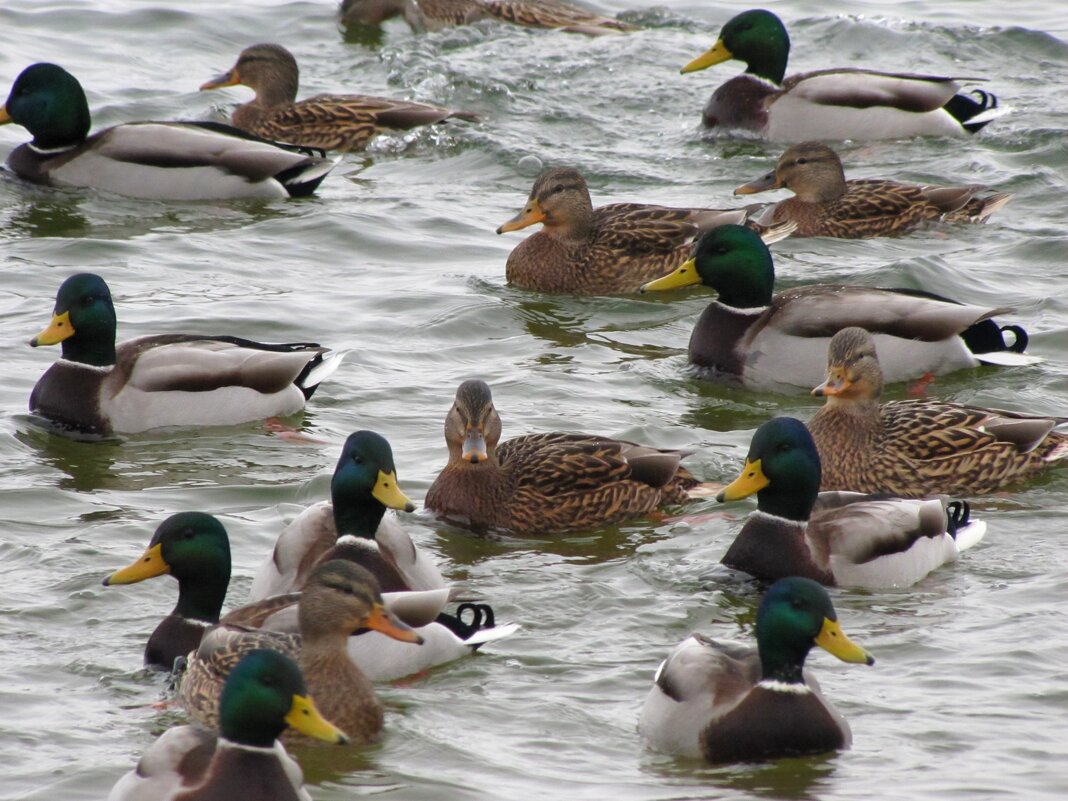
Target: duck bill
[
  {"x": 58, "y": 330},
  {"x": 381, "y": 619},
  {"x": 5, "y": 118},
  {"x": 528, "y": 216},
  {"x": 835, "y": 385},
  {"x": 229, "y": 78},
  {"x": 752, "y": 480},
  {"x": 684, "y": 276},
  {"x": 717, "y": 55},
  {"x": 387, "y": 493},
  {"x": 305, "y": 718},
  {"x": 762, "y": 184},
  {"x": 150, "y": 565},
  {"x": 474, "y": 450},
  {"x": 834, "y": 641}
]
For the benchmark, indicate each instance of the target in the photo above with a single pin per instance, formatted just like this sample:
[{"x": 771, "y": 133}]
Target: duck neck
[
  {"x": 782, "y": 661},
  {"x": 357, "y": 517},
  {"x": 201, "y": 598},
  {"x": 792, "y": 502}
]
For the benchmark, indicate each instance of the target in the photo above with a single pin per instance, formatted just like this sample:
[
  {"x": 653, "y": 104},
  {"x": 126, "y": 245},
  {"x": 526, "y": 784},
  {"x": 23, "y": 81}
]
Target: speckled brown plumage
[
  {"x": 826, "y": 204},
  {"x": 607, "y": 250},
  {"x": 545, "y": 483},
  {"x": 338, "y": 599},
  {"x": 430, "y": 15},
  {"x": 919, "y": 447},
  {"x": 328, "y": 121}
]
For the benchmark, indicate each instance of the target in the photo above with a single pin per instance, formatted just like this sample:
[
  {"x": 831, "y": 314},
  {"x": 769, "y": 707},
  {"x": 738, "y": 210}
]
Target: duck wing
[
  {"x": 859, "y": 88},
  {"x": 297, "y": 551}
]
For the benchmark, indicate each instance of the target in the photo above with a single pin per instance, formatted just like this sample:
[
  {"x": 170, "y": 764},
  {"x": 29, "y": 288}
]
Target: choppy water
[{"x": 396, "y": 258}]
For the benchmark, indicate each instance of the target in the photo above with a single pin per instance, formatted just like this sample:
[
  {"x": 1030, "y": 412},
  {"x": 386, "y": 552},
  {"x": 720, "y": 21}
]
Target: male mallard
[
  {"x": 765, "y": 341},
  {"x": 545, "y": 483},
  {"x": 163, "y": 379},
  {"x": 728, "y": 702},
  {"x": 835, "y": 538},
  {"x": 352, "y": 525},
  {"x": 610, "y": 249},
  {"x": 192, "y": 547},
  {"x": 826, "y": 204},
  {"x": 844, "y": 103},
  {"x": 339, "y": 598},
  {"x": 331, "y": 122},
  {"x": 263, "y": 694},
  {"x": 151, "y": 160},
  {"x": 432, "y": 15},
  {"x": 919, "y": 447}
]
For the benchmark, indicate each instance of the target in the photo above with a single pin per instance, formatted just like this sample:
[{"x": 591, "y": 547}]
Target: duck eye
[
  {"x": 802, "y": 160},
  {"x": 784, "y": 447},
  {"x": 357, "y": 459}
]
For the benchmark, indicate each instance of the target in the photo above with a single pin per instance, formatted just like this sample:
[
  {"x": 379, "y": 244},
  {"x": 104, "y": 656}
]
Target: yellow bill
[
  {"x": 528, "y": 216},
  {"x": 59, "y": 329},
  {"x": 149, "y": 565},
  {"x": 833, "y": 640},
  {"x": 684, "y": 276},
  {"x": 717, "y": 55},
  {"x": 751, "y": 481},
  {"x": 387, "y": 493},
  {"x": 305, "y": 718}
]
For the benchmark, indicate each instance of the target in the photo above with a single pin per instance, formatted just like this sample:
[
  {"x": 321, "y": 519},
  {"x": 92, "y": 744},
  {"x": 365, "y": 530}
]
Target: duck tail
[
  {"x": 975, "y": 109},
  {"x": 318, "y": 369},
  {"x": 303, "y": 179}
]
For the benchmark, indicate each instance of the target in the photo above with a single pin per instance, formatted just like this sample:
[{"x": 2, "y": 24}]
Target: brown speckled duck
[
  {"x": 919, "y": 447},
  {"x": 339, "y": 598},
  {"x": 608, "y": 250},
  {"x": 545, "y": 483},
  {"x": 432, "y": 15},
  {"x": 331, "y": 122},
  {"x": 826, "y": 204}
]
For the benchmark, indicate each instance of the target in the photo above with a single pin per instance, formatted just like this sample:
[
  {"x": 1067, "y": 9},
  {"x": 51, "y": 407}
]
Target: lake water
[{"x": 396, "y": 259}]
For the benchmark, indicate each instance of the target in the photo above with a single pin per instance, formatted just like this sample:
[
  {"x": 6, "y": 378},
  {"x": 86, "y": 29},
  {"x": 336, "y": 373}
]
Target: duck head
[
  {"x": 364, "y": 485},
  {"x": 83, "y": 320},
  {"x": 560, "y": 200},
  {"x": 49, "y": 102},
  {"x": 756, "y": 37}
]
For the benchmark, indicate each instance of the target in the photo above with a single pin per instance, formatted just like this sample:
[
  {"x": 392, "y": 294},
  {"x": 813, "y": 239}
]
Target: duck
[
  {"x": 101, "y": 389},
  {"x": 612, "y": 249},
  {"x": 830, "y": 104},
  {"x": 826, "y": 204},
  {"x": 146, "y": 160},
  {"x": 753, "y": 336},
  {"x": 845, "y": 538},
  {"x": 352, "y": 525},
  {"x": 433, "y": 15},
  {"x": 195, "y": 549},
  {"x": 339, "y": 598},
  {"x": 263, "y": 694},
  {"x": 726, "y": 701},
  {"x": 330, "y": 122},
  {"x": 546, "y": 483},
  {"x": 920, "y": 446}
]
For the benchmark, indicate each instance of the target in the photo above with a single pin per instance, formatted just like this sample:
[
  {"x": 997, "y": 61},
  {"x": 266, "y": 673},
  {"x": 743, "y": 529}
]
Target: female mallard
[
  {"x": 607, "y": 250},
  {"x": 163, "y": 379},
  {"x": 339, "y": 598},
  {"x": 826, "y": 204},
  {"x": 432, "y": 15},
  {"x": 728, "y": 702},
  {"x": 844, "y": 103},
  {"x": 192, "y": 547},
  {"x": 263, "y": 694},
  {"x": 919, "y": 447},
  {"x": 545, "y": 483},
  {"x": 151, "y": 160},
  {"x": 330, "y": 122},
  {"x": 835, "y": 538},
  {"x": 767, "y": 341}
]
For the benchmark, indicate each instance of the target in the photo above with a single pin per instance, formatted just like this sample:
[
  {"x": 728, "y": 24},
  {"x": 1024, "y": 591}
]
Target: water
[{"x": 396, "y": 259}]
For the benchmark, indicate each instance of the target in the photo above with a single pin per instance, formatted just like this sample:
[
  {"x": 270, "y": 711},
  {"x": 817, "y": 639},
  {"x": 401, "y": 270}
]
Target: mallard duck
[
  {"x": 162, "y": 380},
  {"x": 352, "y": 525},
  {"x": 149, "y": 160},
  {"x": 729, "y": 702},
  {"x": 432, "y": 15},
  {"x": 919, "y": 447},
  {"x": 192, "y": 547},
  {"x": 843, "y": 103},
  {"x": 767, "y": 341},
  {"x": 545, "y": 483},
  {"x": 826, "y": 204},
  {"x": 330, "y": 122},
  {"x": 263, "y": 694},
  {"x": 835, "y": 538},
  {"x": 610, "y": 249},
  {"x": 339, "y": 598}
]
